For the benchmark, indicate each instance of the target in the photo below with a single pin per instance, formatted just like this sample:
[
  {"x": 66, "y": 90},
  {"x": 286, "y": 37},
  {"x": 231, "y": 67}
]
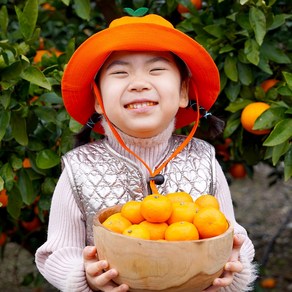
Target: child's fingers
[
  {"x": 234, "y": 267},
  {"x": 89, "y": 253}
]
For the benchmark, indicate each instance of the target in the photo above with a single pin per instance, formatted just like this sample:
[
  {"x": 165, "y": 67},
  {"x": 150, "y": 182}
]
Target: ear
[
  {"x": 184, "y": 94},
  {"x": 97, "y": 107}
]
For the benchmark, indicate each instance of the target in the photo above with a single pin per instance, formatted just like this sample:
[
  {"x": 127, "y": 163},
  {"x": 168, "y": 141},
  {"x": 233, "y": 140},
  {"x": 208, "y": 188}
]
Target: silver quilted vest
[{"x": 100, "y": 177}]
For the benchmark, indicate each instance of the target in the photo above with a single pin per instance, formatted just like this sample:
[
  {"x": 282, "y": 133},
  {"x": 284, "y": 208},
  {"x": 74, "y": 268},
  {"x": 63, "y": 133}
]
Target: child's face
[{"x": 141, "y": 91}]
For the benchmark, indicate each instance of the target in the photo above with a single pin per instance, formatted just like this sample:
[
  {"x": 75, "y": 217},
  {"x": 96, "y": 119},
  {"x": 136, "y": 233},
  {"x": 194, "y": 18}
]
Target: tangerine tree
[{"x": 250, "y": 41}]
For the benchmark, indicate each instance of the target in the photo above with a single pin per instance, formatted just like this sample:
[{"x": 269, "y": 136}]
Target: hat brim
[{"x": 89, "y": 57}]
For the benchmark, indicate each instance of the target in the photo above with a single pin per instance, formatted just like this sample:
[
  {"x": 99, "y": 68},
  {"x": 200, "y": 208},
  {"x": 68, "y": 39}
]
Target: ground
[{"x": 265, "y": 211}]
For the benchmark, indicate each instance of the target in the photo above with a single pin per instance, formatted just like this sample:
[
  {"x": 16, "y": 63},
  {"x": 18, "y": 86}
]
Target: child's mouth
[{"x": 140, "y": 105}]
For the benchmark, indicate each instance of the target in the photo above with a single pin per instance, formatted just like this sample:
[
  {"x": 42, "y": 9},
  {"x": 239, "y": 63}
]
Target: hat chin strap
[{"x": 120, "y": 140}]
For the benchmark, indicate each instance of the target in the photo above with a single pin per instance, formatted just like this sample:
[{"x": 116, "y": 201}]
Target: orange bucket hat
[{"x": 147, "y": 33}]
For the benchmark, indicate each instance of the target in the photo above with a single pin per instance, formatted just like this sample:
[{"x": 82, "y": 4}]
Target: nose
[{"x": 139, "y": 83}]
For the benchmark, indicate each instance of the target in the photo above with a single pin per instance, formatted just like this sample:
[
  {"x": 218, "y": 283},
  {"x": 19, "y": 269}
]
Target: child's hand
[
  {"x": 97, "y": 279},
  {"x": 232, "y": 266}
]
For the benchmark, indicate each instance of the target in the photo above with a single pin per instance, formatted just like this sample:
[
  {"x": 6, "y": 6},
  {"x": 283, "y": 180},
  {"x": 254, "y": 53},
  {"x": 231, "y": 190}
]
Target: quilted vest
[{"x": 100, "y": 177}]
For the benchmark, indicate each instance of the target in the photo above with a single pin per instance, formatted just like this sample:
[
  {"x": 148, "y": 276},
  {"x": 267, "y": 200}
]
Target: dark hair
[{"x": 83, "y": 136}]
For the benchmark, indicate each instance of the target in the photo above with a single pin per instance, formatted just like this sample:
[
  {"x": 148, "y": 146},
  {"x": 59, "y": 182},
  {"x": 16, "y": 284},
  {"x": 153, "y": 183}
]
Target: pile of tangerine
[{"x": 171, "y": 217}]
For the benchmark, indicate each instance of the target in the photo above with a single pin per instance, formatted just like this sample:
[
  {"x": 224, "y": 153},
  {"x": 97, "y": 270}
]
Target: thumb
[{"x": 89, "y": 253}]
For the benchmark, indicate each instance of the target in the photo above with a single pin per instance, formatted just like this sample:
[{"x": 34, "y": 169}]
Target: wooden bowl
[{"x": 164, "y": 266}]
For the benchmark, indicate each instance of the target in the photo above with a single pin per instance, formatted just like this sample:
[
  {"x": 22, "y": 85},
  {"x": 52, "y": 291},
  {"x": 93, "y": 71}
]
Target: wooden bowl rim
[{"x": 96, "y": 222}]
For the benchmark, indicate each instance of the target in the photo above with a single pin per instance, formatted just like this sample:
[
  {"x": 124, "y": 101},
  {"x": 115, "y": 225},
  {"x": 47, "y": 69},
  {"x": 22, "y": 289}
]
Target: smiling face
[{"x": 141, "y": 91}]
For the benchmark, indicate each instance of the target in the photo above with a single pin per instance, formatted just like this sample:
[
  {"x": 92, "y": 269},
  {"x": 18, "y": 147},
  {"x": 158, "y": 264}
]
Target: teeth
[{"x": 140, "y": 105}]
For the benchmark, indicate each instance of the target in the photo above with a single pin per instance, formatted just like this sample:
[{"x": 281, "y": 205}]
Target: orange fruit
[
  {"x": 26, "y": 163},
  {"x": 179, "y": 197},
  {"x": 131, "y": 211},
  {"x": 249, "y": 115},
  {"x": 116, "y": 223},
  {"x": 3, "y": 238},
  {"x": 32, "y": 225},
  {"x": 210, "y": 222},
  {"x": 181, "y": 231},
  {"x": 183, "y": 9},
  {"x": 137, "y": 231},
  {"x": 237, "y": 170},
  {"x": 157, "y": 230},
  {"x": 207, "y": 200},
  {"x": 40, "y": 53},
  {"x": 268, "y": 84},
  {"x": 48, "y": 7},
  {"x": 3, "y": 198},
  {"x": 156, "y": 208},
  {"x": 183, "y": 211},
  {"x": 268, "y": 283}
]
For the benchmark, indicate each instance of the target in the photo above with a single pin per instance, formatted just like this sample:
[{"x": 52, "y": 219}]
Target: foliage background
[{"x": 250, "y": 41}]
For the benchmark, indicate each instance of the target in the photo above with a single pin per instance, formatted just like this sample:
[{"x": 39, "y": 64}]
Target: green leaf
[
  {"x": 47, "y": 114},
  {"x": 215, "y": 30},
  {"x": 26, "y": 187},
  {"x": 279, "y": 150},
  {"x": 232, "y": 124},
  {"x": 47, "y": 159},
  {"x": 252, "y": 52},
  {"x": 27, "y": 18},
  {"x": 245, "y": 73},
  {"x": 288, "y": 164},
  {"x": 66, "y": 2},
  {"x": 288, "y": 78},
  {"x": 18, "y": 127},
  {"x": 272, "y": 53},
  {"x": 4, "y": 122},
  {"x": 280, "y": 133},
  {"x": 257, "y": 21},
  {"x": 238, "y": 105},
  {"x": 270, "y": 118},
  {"x": 4, "y": 19},
  {"x": 12, "y": 72},
  {"x": 35, "y": 76},
  {"x": 232, "y": 90},
  {"x": 7, "y": 173},
  {"x": 82, "y": 8},
  {"x": 278, "y": 21},
  {"x": 230, "y": 68},
  {"x": 226, "y": 49},
  {"x": 15, "y": 203}
]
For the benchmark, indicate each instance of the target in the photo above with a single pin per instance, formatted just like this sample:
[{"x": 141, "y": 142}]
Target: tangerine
[
  {"x": 210, "y": 222},
  {"x": 268, "y": 84},
  {"x": 157, "y": 230},
  {"x": 183, "y": 211},
  {"x": 179, "y": 197},
  {"x": 26, "y": 163},
  {"x": 116, "y": 223},
  {"x": 183, "y": 9},
  {"x": 237, "y": 170},
  {"x": 3, "y": 198},
  {"x": 131, "y": 211},
  {"x": 181, "y": 231},
  {"x": 250, "y": 114},
  {"x": 268, "y": 283},
  {"x": 137, "y": 231},
  {"x": 207, "y": 200},
  {"x": 3, "y": 238},
  {"x": 32, "y": 225},
  {"x": 156, "y": 208}
]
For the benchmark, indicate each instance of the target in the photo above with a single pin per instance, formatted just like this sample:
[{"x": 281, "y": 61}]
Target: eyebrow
[{"x": 150, "y": 61}]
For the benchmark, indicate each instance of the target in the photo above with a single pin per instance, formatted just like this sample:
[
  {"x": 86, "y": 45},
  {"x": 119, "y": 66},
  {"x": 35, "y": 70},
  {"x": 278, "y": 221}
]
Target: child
[{"x": 135, "y": 82}]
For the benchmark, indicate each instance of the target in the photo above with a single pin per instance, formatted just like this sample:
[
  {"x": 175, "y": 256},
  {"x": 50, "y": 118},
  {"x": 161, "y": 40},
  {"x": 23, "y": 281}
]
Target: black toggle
[{"x": 158, "y": 179}]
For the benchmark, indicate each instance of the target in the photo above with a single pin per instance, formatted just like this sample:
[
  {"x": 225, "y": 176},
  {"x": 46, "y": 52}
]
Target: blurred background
[{"x": 249, "y": 40}]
